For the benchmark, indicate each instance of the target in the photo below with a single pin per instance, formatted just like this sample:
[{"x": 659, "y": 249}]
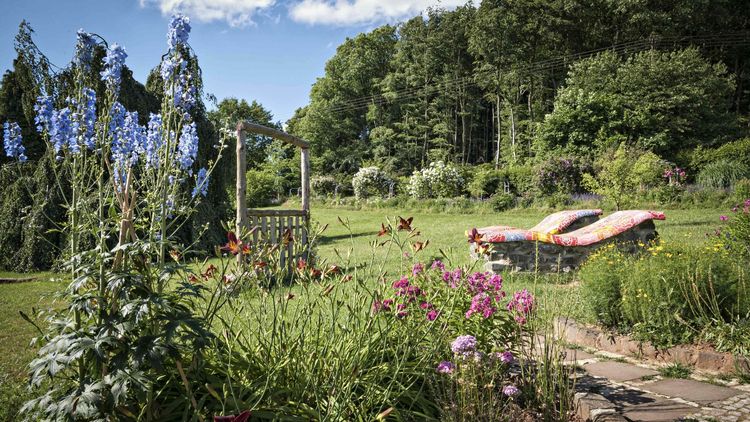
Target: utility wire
[{"x": 703, "y": 41}]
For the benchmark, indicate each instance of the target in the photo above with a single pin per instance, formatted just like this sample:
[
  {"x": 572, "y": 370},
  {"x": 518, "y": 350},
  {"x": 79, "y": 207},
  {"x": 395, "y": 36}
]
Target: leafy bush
[
  {"x": 521, "y": 178},
  {"x": 323, "y": 185},
  {"x": 262, "y": 188},
  {"x": 439, "y": 180},
  {"x": 741, "y": 190},
  {"x": 370, "y": 182},
  {"x": 560, "y": 175},
  {"x": 723, "y": 173},
  {"x": 737, "y": 231},
  {"x": 615, "y": 179},
  {"x": 648, "y": 170},
  {"x": 486, "y": 181},
  {"x": 602, "y": 277},
  {"x": 502, "y": 201},
  {"x": 670, "y": 295}
]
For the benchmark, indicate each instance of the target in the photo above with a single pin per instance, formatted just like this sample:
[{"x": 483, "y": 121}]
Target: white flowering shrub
[
  {"x": 370, "y": 182},
  {"x": 439, "y": 180}
]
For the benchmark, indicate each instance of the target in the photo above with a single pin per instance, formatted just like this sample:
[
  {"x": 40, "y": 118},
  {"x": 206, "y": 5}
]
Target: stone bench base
[{"x": 549, "y": 257}]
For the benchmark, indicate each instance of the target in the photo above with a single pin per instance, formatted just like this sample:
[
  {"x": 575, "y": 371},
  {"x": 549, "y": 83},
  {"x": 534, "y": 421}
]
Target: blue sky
[{"x": 268, "y": 50}]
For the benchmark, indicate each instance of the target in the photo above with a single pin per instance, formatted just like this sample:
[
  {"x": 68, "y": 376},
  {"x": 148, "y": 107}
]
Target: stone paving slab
[
  {"x": 573, "y": 355},
  {"x": 657, "y": 411},
  {"x": 694, "y": 391},
  {"x": 733, "y": 409},
  {"x": 618, "y": 371}
]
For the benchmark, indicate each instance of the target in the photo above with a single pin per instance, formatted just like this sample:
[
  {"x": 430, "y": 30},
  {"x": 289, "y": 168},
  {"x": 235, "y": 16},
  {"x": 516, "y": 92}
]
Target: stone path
[{"x": 612, "y": 389}]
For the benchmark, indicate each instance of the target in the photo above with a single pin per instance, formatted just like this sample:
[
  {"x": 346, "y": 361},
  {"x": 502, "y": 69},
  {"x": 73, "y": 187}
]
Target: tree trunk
[{"x": 499, "y": 129}]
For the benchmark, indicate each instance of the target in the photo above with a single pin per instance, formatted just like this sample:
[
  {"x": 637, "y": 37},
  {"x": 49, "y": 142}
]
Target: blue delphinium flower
[
  {"x": 89, "y": 117},
  {"x": 74, "y": 126},
  {"x": 187, "y": 149},
  {"x": 167, "y": 67},
  {"x": 153, "y": 141},
  {"x": 201, "y": 183},
  {"x": 113, "y": 62},
  {"x": 60, "y": 133},
  {"x": 84, "y": 49},
  {"x": 43, "y": 109},
  {"x": 12, "y": 141},
  {"x": 179, "y": 31}
]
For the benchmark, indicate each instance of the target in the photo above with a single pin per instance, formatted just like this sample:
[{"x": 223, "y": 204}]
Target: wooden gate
[{"x": 275, "y": 227}]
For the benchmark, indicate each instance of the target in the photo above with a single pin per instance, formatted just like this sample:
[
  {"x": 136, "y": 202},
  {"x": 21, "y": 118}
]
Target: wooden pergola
[{"x": 270, "y": 225}]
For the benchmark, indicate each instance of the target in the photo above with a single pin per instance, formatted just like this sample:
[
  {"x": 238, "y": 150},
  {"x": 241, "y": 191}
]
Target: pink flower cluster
[
  {"x": 521, "y": 305},
  {"x": 487, "y": 290},
  {"x": 745, "y": 207},
  {"x": 406, "y": 293}
]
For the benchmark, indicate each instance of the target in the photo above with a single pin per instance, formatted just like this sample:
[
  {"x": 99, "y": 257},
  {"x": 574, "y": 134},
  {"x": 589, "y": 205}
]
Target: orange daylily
[{"x": 405, "y": 224}]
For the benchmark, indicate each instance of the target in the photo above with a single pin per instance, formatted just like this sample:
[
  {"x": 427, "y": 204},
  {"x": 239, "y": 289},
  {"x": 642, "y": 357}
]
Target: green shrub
[
  {"x": 521, "y": 178},
  {"x": 648, "y": 170},
  {"x": 668, "y": 194},
  {"x": 742, "y": 190},
  {"x": 601, "y": 278},
  {"x": 502, "y": 202},
  {"x": 670, "y": 294},
  {"x": 323, "y": 185},
  {"x": 560, "y": 175},
  {"x": 723, "y": 173},
  {"x": 262, "y": 188},
  {"x": 485, "y": 182}
]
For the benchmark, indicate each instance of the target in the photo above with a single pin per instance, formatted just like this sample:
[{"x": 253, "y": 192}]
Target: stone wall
[{"x": 549, "y": 257}]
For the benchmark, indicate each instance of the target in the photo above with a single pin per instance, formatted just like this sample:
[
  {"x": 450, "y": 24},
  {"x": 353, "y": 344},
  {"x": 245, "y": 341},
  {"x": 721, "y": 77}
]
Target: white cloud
[
  {"x": 235, "y": 12},
  {"x": 357, "y": 12}
]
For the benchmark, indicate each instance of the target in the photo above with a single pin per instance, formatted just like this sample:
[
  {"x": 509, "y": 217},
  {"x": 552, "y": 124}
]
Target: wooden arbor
[{"x": 272, "y": 224}]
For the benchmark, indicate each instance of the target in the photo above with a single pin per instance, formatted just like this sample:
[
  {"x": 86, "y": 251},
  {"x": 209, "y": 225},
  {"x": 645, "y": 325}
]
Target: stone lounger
[{"x": 524, "y": 250}]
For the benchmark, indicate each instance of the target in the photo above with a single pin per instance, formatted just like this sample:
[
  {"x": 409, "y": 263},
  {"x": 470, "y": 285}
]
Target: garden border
[{"x": 701, "y": 358}]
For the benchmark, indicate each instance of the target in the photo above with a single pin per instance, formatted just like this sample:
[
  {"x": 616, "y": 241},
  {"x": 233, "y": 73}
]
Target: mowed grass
[{"x": 352, "y": 244}]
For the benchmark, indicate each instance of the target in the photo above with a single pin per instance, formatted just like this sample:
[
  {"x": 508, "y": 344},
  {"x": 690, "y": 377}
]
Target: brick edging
[{"x": 700, "y": 358}]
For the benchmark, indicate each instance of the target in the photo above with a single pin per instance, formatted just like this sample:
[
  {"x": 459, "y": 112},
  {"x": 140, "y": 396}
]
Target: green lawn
[{"x": 353, "y": 247}]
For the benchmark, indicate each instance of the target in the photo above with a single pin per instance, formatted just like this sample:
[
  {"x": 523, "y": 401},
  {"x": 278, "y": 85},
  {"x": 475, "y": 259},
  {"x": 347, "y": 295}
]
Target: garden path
[{"x": 611, "y": 388}]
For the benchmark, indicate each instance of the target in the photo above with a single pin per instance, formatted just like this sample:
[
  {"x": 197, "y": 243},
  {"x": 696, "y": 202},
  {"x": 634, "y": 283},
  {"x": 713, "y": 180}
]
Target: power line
[{"x": 703, "y": 41}]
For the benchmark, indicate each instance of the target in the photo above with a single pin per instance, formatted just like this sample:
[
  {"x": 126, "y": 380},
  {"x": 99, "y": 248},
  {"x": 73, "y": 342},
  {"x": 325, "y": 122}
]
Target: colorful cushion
[
  {"x": 552, "y": 224},
  {"x": 610, "y": 226}
]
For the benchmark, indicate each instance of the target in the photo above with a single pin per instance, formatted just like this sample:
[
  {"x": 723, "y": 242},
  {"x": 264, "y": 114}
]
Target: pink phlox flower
[
  {"x": 482, "y": 303},
  {"x": 417, "y": 269},
  {"x": 438, "y": 265},
  {"x": 401, "y": 283},
  {"x": 432, "y": 315},
  {"x": 521, "y": 304},
  {"x": 723, "y": 218}
]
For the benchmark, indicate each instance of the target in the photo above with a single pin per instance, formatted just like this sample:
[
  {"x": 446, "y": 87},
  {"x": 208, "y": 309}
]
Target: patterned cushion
[
  {"x": 610, "y": 226},
  {"x": 552, "y": 224}
]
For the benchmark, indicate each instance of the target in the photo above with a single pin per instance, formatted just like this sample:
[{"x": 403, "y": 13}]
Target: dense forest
[{"x": 513, "y": 82}]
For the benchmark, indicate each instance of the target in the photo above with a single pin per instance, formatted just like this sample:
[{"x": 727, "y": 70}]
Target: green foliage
[
  {"x": 648, "y": 170},
  {"x": 601, "y": 287},
  {"x": 439, "y": 180},
  {"x": 615, "y": 180},
  {"x": 323, "y": 185},
  {"x": 670, "y": 294},
  {"x": 742, "y": 190},
  {"x": 560, "y": 175},
  {"x": 502, "y": 201},
  {"x": 722, "y": 174},
  {"x": 370, "y": 182},
  {"x": 263, "y": 188},
  {"x": 485, "y": 181},
  {"x": 660, "y": 101}
]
